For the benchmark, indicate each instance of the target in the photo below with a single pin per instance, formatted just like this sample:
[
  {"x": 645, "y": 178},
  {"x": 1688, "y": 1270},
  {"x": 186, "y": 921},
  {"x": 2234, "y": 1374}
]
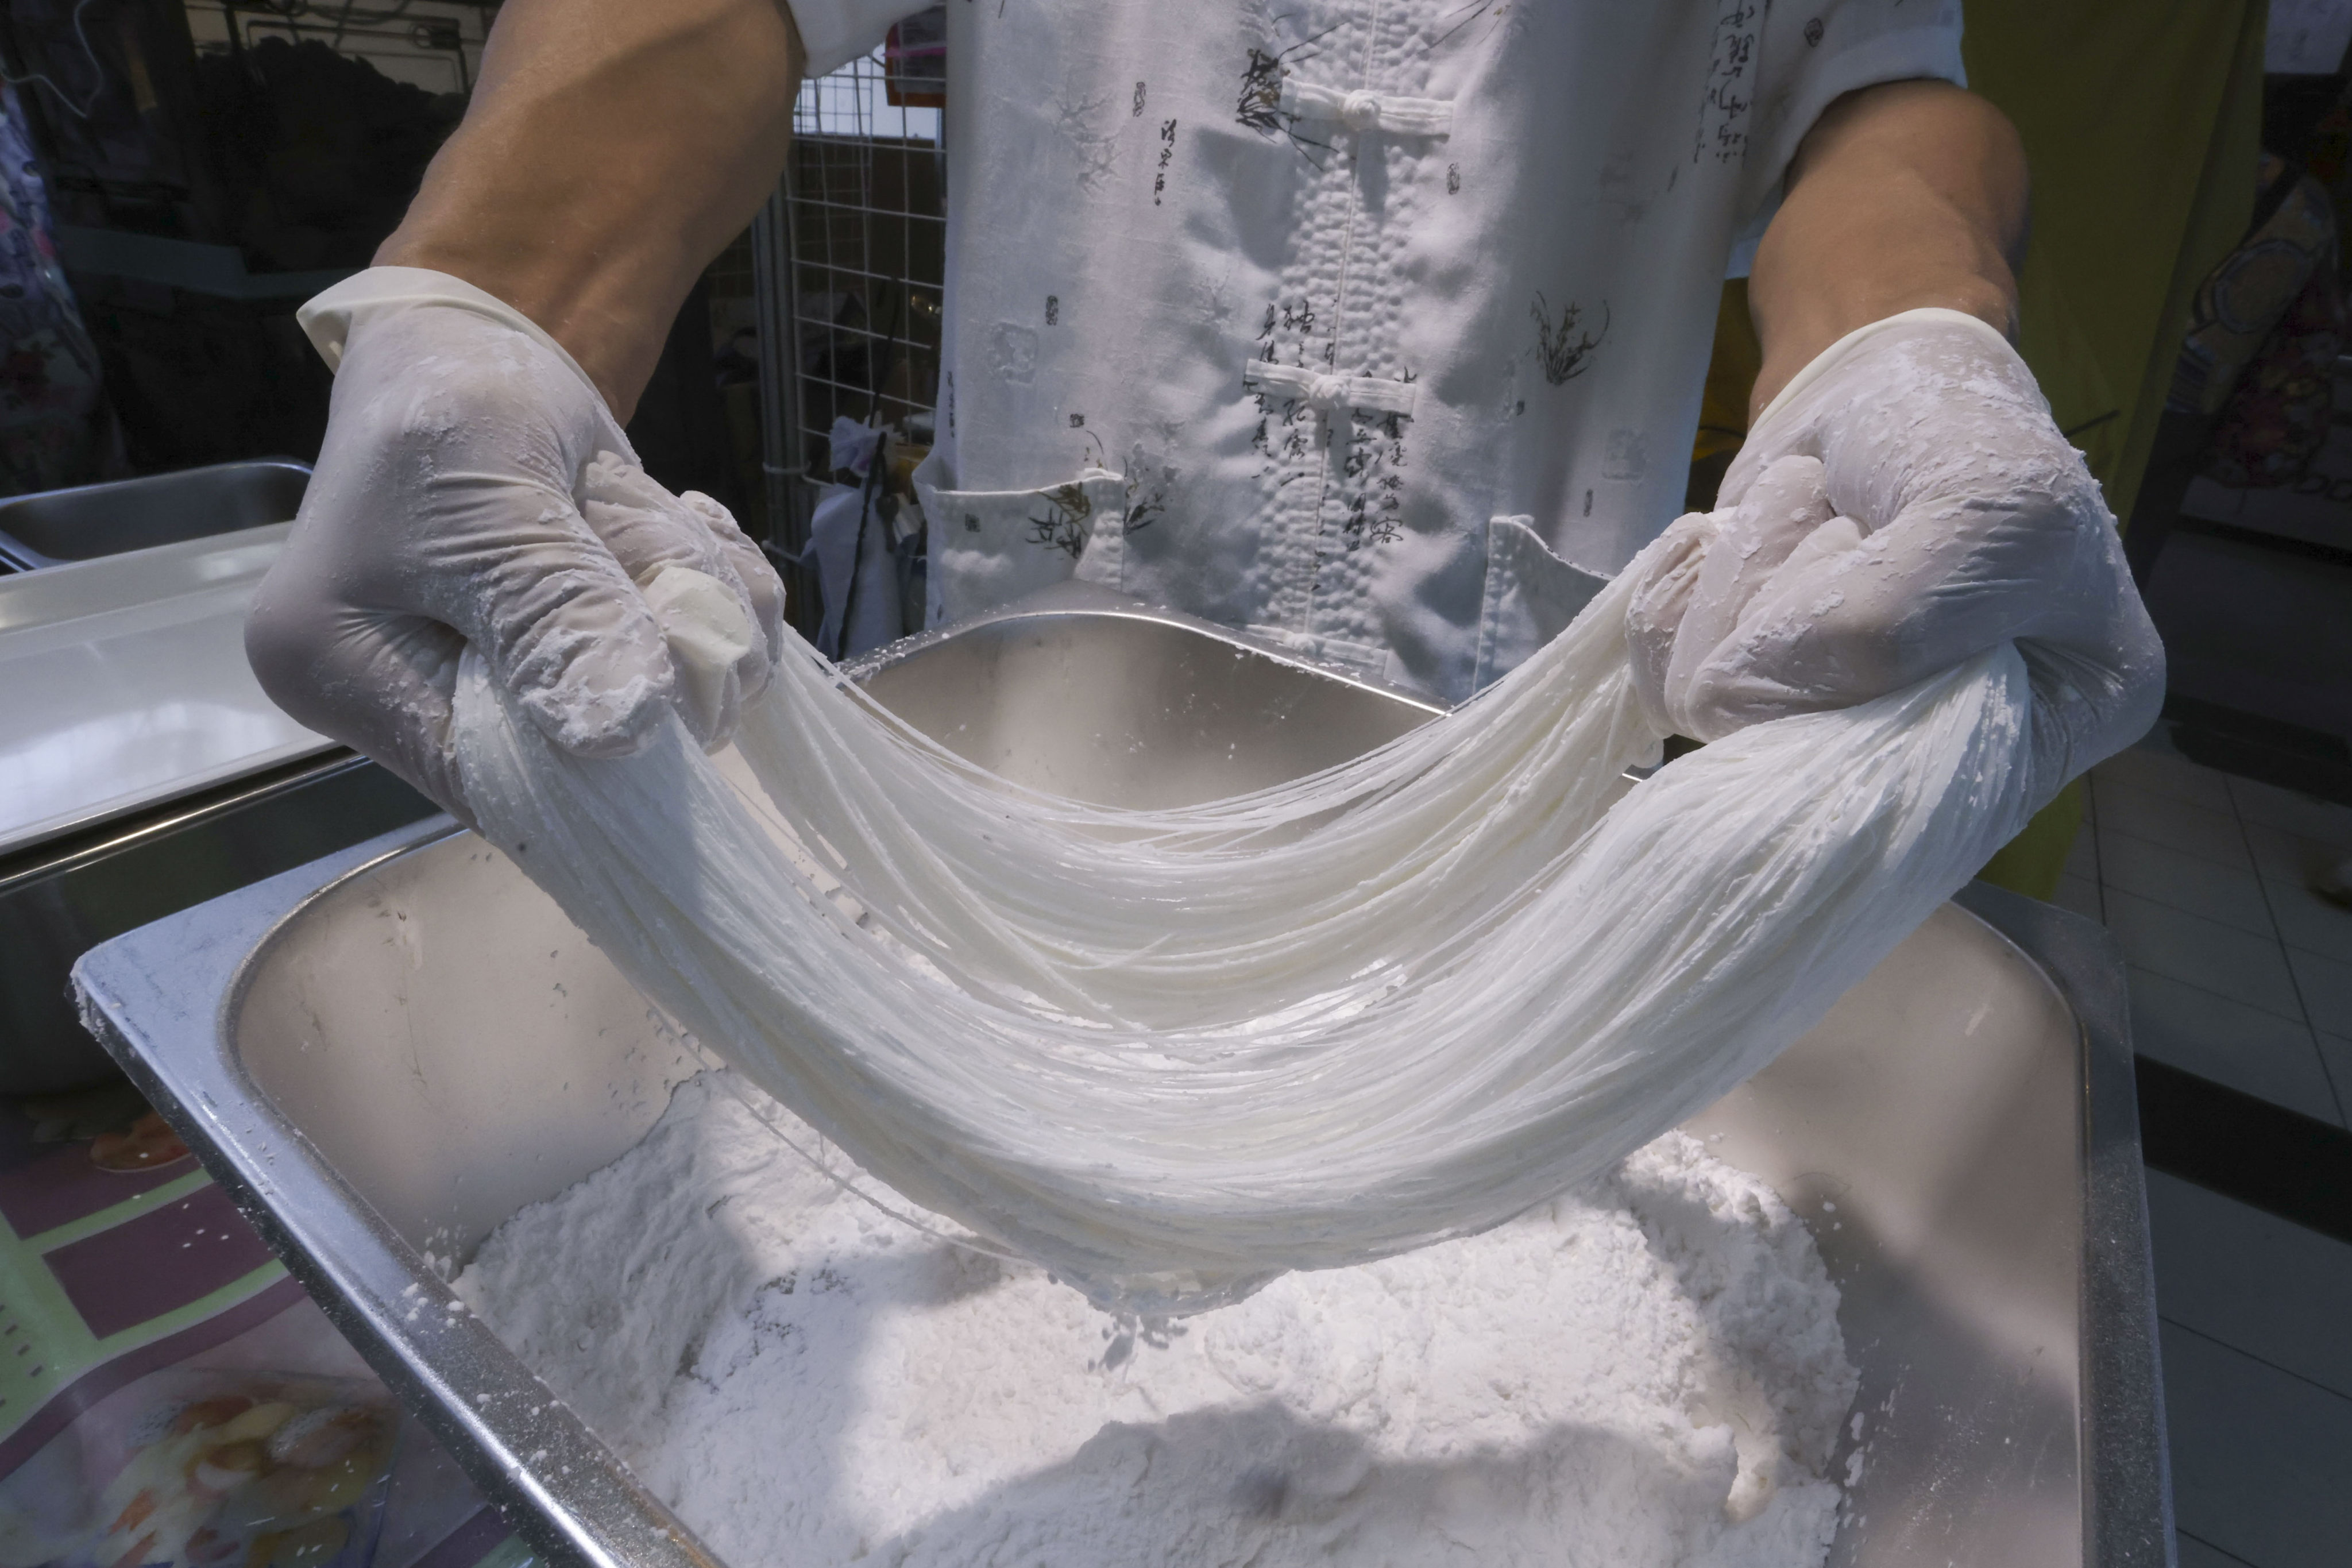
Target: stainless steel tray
[
  {"x": 384, "y": 1054},
  {"x": 53, "y": 526},
  {"x": 124, "y": 684}
]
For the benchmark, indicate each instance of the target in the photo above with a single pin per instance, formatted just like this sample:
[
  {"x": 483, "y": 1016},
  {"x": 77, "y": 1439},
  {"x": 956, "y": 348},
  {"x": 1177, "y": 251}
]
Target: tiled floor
[
  {"x": 2241, "y": 974},
  {"x": 2257, "y": 1381}
]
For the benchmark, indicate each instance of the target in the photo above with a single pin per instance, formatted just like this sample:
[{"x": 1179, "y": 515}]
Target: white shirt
[{"x": 1376, "y": 327}]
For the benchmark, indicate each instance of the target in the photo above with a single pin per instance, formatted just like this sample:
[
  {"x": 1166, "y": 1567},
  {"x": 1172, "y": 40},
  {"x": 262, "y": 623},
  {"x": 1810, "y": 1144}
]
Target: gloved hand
[
  {"x": 1905, "y": 504},
  {"x": 474, "y": 488}
]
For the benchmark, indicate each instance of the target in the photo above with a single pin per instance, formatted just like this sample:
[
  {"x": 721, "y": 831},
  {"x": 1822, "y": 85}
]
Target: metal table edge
[
  {"x": 2125, "y": 1466},
  {"x": 504, "y": 1426}
]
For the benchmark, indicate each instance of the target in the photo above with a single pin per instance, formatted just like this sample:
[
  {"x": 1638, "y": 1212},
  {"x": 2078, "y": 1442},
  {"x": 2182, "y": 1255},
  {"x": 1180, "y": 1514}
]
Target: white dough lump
[{"x": 1171, "y": 1054}]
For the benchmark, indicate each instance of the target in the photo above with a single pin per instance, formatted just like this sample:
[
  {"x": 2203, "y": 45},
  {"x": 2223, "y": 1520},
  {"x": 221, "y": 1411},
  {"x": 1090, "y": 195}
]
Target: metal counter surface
[{"x": 385, "y": 1053}]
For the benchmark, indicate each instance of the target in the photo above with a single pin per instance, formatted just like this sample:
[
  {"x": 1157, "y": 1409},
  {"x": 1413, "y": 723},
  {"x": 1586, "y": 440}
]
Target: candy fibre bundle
[{"x": 1170, "y": 1054}]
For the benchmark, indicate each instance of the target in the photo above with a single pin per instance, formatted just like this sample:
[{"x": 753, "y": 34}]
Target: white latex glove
[
  {"x": 1906, "y": 503},
  {"x": 474, "y": 489}
]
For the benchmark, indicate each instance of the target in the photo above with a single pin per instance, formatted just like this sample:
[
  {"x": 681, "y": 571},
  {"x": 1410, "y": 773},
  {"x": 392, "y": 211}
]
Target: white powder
[{"x": 1648, "y": 1373}]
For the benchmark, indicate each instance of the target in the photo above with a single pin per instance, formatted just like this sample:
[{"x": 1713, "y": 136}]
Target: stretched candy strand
[{"x": 1172, "y": 1053}]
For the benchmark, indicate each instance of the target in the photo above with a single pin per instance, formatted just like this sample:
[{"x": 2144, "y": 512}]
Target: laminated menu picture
[
  {"x": 228, "y": 1466},
  {"x": 168, "y": 1396}
]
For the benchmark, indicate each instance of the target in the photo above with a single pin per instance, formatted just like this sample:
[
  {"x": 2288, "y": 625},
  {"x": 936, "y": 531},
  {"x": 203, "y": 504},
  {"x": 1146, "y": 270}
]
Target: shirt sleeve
[
  {"x": 1805, "y": 57},
  {"x": 835, "y": 32}
]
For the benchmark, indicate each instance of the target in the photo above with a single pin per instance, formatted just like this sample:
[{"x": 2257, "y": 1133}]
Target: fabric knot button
[
  {"x": 1361, "y": 111},
  {"x": 1328, "y": 390}
]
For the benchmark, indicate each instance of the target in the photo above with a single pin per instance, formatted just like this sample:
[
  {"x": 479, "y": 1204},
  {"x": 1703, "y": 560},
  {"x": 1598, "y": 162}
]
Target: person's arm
[
  {"x": 1905, "y": 501},
  {"x": 1905, "y": 194},
  {"x": 474, "y": 490},
  {"x": 612, "y": 148}
]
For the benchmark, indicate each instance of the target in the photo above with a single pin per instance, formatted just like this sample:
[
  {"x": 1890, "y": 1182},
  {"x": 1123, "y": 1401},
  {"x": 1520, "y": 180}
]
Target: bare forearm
[
  {"x": 612, "y": 147},
  {"x": 1904, "y": 195}
]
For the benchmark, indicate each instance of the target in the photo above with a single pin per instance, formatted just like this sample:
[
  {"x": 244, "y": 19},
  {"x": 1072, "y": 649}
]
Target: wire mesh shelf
[
  {"x": 851, "y": 258},
  {"x": 867, "y": 199}
]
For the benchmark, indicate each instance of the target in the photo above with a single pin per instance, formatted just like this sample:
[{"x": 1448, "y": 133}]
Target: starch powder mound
[{"x": 1646, "y": 1372}]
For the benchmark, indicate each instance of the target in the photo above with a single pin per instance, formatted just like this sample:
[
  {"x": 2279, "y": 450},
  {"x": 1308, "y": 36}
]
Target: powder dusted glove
[
  {"x": 1907, "y": 502},
  {"x": 474, "y": 489}
]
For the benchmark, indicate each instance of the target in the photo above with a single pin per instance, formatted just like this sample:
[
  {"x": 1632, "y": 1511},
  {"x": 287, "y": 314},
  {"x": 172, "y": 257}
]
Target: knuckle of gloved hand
[
  {"x": 644, "y": 526},
  {"x": 586, "y": 659},
  {"x": 595, "y": 696},
  {"x": 612, "y": 482},
  {"x": 1797, "y": 479},
  {"x": 1679, "y": 552},
  {"x": 1806, "y": 653},
  {"x": 745, "y": 568},
  {"x": 1795, "y": 432},
  {"x": 1664, "y": 576},
  {"x": 613, "y": 479},
  {"x": 1724, "y": 697},
  {"x": 714, "y": 516}
]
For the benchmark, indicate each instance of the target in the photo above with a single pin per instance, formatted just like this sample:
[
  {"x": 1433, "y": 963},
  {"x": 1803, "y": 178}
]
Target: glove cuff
[
  {"x": 1821, "y": 363},
  {"x": 327, "y": 319}
]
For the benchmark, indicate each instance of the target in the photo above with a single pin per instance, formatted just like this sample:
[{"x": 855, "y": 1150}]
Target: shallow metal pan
[
  {"x": 384, "y": 1054},
  {"x": 53, "y": 526}
]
